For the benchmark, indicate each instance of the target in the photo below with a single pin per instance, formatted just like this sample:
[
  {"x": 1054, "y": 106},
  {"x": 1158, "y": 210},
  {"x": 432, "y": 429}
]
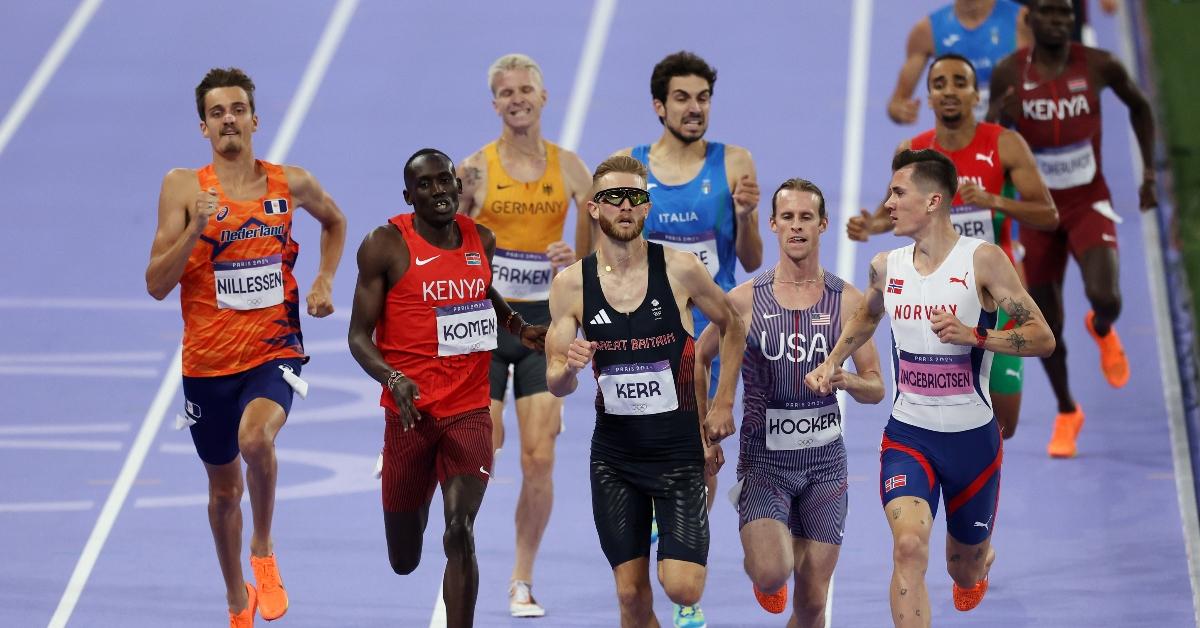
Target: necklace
[
  {"x": 608, "y": 268},
  {"x": 801, "y": 281}
]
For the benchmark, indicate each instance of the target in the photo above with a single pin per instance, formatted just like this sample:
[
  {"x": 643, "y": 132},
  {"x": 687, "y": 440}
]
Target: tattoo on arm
[
  {"x": 471, "y": 176},
  {"x": 1017, "y": 341},
  {"x": 1017, "y": 311},
  {"x": 873, "y": 275},
  {"x": 895, "y": 514}
]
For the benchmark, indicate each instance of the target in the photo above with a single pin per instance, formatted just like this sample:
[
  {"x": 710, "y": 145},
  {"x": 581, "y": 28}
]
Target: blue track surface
[{"x": 1086, "y": 542}]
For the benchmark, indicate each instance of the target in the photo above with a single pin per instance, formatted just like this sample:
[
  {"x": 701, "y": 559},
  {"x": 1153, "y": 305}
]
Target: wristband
[
  {"x": 394, "y": 378},
  {"x": 981, "y": 336}
]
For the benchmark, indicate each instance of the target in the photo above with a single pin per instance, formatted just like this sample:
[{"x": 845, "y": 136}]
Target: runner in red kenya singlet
[{"x": 1051, "y": 92}]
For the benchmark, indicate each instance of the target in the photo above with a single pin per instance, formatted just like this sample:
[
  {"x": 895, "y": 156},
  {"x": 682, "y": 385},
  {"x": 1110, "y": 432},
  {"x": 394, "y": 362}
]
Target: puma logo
[
  {"x": 987, "y": 158},
  {"x": 984, "y": 524},
  {"x": 962, "y": 280}
]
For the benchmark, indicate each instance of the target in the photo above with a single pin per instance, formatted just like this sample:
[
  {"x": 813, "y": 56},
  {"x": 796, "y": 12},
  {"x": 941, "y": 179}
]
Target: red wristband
[{"x": 980, "y": 336}]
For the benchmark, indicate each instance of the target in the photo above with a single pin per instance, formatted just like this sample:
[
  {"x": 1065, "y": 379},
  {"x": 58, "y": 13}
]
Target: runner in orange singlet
[{"x": 224, "y": 236}]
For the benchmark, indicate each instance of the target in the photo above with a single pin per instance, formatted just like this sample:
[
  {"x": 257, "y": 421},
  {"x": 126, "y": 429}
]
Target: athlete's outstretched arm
[
  {"x": 531, "y": 336},
  {"x": 688, "y": 272},
  {"x": 865, "y": 384},
  {"x": 856, "y": 332},
  {"x": 566, "y": 353},
  {"x": 1030, "y": 335},
  {"x": 183, "y": 212},
  {"x": 309, "y": 194},
  {"x": 1141, "y": 116},
  {"x": 747, "y": 242},
  {"x": 902, "y": 108},
  {"x": 381, "y": 252},
  {"x": 1035, "y": 208}
]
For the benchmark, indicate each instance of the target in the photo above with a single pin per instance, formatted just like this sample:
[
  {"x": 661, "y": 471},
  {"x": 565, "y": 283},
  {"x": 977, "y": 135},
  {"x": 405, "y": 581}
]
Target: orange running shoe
[
  {"x": 1066, "y": 429},
  {"x": 272, "y": 597},
  {"x": 773, "y": 602},
  {"x": 1112, "y": 355},
  {"x": 966, "y": 599},
  {"x": 245, "y": 619}
]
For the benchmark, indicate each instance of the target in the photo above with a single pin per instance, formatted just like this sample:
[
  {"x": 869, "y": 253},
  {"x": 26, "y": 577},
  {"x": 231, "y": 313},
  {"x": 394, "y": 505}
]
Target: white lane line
[
  {"x": 76, "y": 358},
  {"x": 46, "y": 69},
  {"x": 64, "y": 445},
  {"x": 72, "y": 303},
  {"x": 852, "y": 140},
  {"x": 317, "y": 65},
  {"x": 80, "y": 371},
  {"x": 586, "y": 72},
  {"x": 116, "y": 497},
  {"x": 37, "y": 429},
  {"x": 46, "y": 506},
  {"x": 1172, "y": 391},
  {"x": 313, "y": 75}
]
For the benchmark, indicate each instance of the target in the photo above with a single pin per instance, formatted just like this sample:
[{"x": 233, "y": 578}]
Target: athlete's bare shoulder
[
  {"x": 568, "y": 284},
  {"x": 738, "y": 155},
  {"x": 181, "y": 179},
  {"x": 486, "y": 237},
  {"x": 575, "y": 172},
  {"x": 742, "y": 296}
]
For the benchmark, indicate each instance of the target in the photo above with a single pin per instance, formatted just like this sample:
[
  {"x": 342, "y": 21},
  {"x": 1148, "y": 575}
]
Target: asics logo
[
  {"x": 422, "y": 262},
  {"x": 987, "y": 157}
]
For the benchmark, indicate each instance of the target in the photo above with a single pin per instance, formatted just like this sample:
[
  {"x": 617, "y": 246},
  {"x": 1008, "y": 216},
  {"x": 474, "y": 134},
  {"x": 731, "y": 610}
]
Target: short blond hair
[
  {"x": 619, "y": 163},
  {"x": 514, "y": 61}
]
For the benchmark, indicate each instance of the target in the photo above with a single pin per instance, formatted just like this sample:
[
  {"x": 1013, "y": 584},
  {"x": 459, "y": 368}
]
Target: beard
[
  {"x": 230, "y": 146},
  {"x": 952, "y": 118},
  {"x": 683, "y": 138},
  {"x": 610, "y": 229}
]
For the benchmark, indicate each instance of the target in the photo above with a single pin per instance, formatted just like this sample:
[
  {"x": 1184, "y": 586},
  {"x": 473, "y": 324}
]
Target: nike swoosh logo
[
  {"x": 422, "y": 262},
  {"x": 1028, "y": 85},
  {"x": 485, "y": 472},
  {"x": 504, "y": 187},
  {"x": 765, "y": 316}
]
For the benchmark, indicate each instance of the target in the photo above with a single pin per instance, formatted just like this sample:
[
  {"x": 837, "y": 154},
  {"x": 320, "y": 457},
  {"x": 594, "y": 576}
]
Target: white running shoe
[{"x": 521, "y": 602}]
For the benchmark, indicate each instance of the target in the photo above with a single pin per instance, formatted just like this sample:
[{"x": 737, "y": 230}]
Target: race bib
[
  {"x": 249, "y": 284},
  {"x": 973, "y": 222},
  {"x": 1067, "y": 166},
  {"x": 791, "y": 427},
  {"x": 702, "y": 245},
  {"x": 935, "y": 375},
  {"x": 466, "y": 328},
  {"x": 631, "y": 389},
  {"x": 522, "y": 276}
]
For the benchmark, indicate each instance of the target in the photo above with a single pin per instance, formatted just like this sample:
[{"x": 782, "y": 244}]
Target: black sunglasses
[{"x": 614, "y": 196}]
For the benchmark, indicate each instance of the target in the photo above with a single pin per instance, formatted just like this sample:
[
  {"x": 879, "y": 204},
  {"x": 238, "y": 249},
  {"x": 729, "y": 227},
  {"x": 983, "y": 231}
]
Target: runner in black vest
[{"x": 632, "y": 299}]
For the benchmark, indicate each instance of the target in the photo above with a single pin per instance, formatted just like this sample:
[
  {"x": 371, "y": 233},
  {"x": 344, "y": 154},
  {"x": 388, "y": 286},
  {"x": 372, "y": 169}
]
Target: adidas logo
[{"x": 601, "y": 318}]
